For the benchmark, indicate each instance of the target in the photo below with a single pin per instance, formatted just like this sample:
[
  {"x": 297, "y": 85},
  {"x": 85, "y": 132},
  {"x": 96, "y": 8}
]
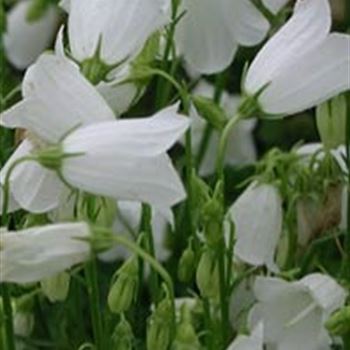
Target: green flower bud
[
  {"x": 124, "y": 289},
  {"x": 186, "y": 338},
  {"x": 37, "y": 9},
  {"x": 186, "y": 265},
  {"x": 56, "y": 288},
  {"x": 123, "y": 337},
  {"x": 210, "y": 111},
  {"x": 159, "y": 326},
  {"x": 207, "y": 275},
  {"x": 339, "y": 323},
  {"x": 331, "y": 122}
]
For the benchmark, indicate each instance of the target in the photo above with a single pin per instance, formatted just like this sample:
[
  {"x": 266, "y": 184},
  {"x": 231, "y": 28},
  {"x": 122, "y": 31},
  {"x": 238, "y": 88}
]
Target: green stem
[
  {"x": 147, "y": 228},
  {"x": 223, "y": 144},
  {"x": 209, "y": 337},
  {"x": 163, "y": 88},
  {"x": 6, "y": 300},
  {"x": 94, "y": 301}
]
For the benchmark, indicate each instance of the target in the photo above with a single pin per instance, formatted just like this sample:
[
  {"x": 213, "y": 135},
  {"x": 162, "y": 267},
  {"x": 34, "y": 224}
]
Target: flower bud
[
  {"x": 207, "y": 275},
  {"x": 186, "y": 265},
  {"x": 339, "y": 323},
  {"x": 159, "y": 326},
  {"x": 186, "y": 338},
  {"x": 331, "y": 122},
  {"x": 56, "y": 288},
  {"x": 210, "y": 111},
  {"x": 124, "y": 289},
  {"x": 123, "y": 337}
]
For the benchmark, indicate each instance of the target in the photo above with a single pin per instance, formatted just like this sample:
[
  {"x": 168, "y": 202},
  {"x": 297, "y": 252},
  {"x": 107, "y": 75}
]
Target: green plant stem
[
  {"x": 94, "y": 301},
  {"x": 163, "y": 86},
  {"x": 223, "y": 145},
  {"x": 208, "y": 325},
  {"x": 147, "y": 228}
]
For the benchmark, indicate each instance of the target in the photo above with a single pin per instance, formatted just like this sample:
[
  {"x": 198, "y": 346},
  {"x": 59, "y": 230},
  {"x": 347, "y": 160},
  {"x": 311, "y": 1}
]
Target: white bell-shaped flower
[
  {"x": 258, "y": 216},
  {"x": 124, "y": 159},
  {"x": 121, "y": 27},
  {"x": 293, "y": 313},
  {"x": 255, "y": 341},
  {"x": 36, "y": 253},
  {"x": 210, "y": 32},
  {"x": 303, "y": 64},
  {"x": 240, "y": 149},
  {"x": 24, "y": 41}
]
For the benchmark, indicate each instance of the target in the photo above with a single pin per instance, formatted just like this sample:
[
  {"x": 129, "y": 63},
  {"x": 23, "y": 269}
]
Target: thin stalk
[
  {"x": 147, "y": 229},
  {"x": 223, "y": 293},
  {"x": 94, "y": 301},
  {"x": 223, "y": 144},
  {"x": 208, "y": 325},
  {"x": 163, "y": 87}
]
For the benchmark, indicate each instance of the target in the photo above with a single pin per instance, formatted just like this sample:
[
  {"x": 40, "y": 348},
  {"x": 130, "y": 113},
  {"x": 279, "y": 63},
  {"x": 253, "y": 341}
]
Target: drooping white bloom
[
  {"x": 257, "y": 215},
  {"x": 121, "y": 27},
  {"x": 124, "y": 159},
  {"x": 24, "y": 41},
  {"x": 128, "y": 222},
  {"x": 255, "y": 341},
  {"x": 293, "y": 313},
  {"x": 210, "y": 32},
  {"x": 48, "y": 110},
  {"x": 34, "y": 254},
  {"x": 240, "y": 149},
  {"x": 303, "y": 64}
]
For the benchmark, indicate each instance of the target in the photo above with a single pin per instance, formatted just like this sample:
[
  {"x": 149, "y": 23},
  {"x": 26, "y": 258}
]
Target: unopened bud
[
  {"x": 207, "y": 276},
  {"x": 186, "y": 337},
  {"x": 186, "y": 265},
  {"x": 159, "y": 326},
  {"x": 339, "y": 323},
  {"x": 210, "y": 111},
  {"x": 56, "y": 288},
  {"x": 123, "y": 337},
  {"x": 124, "y": 289},
  {"x": 331, "y": 122}
]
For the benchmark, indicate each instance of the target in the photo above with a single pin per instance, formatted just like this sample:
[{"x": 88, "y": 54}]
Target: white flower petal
[
  {"x": 248, "y": 26},
  {"x": 203, "y": 37},
  {"x": 106, "y": 171},
  {"x": 24, "y": 41},
  {"x": 255, "y": 341},
  {"x": 49, "y": 108},
  {"x": 258, "y": 226},
  {"x": 306, "y": 29},
  {"x": 326, "y": 291},
  {"x": 275, "y": 5},
  {"x": 36, "y": 253},
  {"x": 123, "y": 26},
  {"x": 311, "y": 78},
  {"x": 142, "y": 137},
  {"x": 34, "y": 188},
  {"x": 12, "y": 205}
]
